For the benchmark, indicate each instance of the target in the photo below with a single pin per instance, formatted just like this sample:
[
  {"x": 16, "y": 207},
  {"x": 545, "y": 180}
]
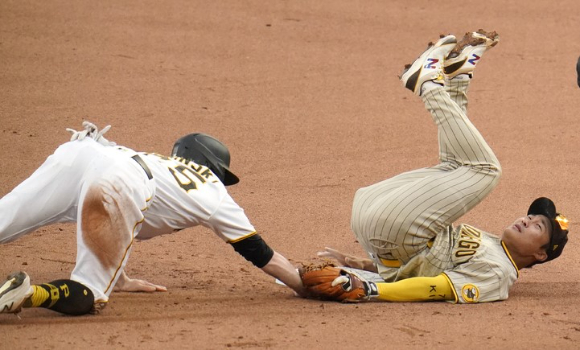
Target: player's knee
[
  {"x": 495, "y": 169},
  {"x": 104, "y": 222}
]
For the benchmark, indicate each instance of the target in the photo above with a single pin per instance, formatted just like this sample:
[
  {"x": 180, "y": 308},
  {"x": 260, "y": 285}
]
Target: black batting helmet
[{"x": 205, "y": 150}]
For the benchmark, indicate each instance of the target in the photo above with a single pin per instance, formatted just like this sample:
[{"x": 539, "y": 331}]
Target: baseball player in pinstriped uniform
[
  {"x": 117, "y": 195},
  {"x": 405, "y": 223}
]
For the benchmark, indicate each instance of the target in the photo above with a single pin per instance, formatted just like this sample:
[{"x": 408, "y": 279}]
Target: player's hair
[
  {"x": 206, "y": 150},
  {"x": 559, "y": 227}
]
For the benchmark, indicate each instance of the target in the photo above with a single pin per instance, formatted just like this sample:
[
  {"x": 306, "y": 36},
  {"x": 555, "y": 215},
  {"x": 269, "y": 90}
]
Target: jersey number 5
[{"x": 186, "y": 177}]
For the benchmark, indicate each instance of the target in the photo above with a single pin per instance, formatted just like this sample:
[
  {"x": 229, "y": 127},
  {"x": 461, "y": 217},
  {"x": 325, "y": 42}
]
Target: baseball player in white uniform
[
  {"x": 405, "y": 223},
  {"x": 117, "y": 195}
]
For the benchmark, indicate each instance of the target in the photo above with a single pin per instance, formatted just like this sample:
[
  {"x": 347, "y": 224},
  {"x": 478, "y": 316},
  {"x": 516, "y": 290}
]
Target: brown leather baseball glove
[{"x": 328, "y": 282}]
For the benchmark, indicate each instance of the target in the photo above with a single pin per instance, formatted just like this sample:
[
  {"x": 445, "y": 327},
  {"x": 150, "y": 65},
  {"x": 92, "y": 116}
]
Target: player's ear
[{"x": 541, "y": 255}]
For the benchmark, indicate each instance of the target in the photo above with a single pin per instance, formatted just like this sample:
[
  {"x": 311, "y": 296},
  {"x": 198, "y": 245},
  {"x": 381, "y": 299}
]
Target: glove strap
[{"x": 371, "y": 290}]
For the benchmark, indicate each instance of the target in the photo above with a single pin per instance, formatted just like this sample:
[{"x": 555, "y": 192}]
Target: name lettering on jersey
[
  {"x": 188, "y": 174},
  {"x": 469, "y": 242}
]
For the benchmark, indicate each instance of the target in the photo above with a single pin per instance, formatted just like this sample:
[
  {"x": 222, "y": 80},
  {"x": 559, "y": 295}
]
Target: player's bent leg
[
  {"x": 110, "y": 216},
  {"x": 428, "y": 66},
  {"x": 48, "y": 196},
  {"x": 418, "y": 205},
  {"x": 461, "y": 62},
  {"x": 65, "y": 296}
]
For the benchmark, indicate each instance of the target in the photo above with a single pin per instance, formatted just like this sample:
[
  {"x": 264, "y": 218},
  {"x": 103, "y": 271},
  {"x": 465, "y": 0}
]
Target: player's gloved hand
[
  {"x": 92, "y": 131},
  {"x": 348, "y": 260},
  {"x": 328, "y": 282},
  {"x": 349, "y": 281}
]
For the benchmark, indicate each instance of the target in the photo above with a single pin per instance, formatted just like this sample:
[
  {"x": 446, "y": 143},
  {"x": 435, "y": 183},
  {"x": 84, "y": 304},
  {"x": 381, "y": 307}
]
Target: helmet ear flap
[{"x": 206, "y": 150}]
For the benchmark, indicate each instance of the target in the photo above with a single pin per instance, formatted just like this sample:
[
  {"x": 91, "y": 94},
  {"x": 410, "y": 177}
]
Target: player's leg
[
  {"x": 372, "y": 205},
  {"x": 397, "y": 217},
  {"x": 64, "y": 296},
  {"x": 461, "y": 62},
  {"x": 110, "y": 214},
  {"x": 49, "y": 195}
]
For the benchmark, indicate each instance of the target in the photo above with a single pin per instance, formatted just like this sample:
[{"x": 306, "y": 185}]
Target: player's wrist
[{"x": 371, "y": 290}]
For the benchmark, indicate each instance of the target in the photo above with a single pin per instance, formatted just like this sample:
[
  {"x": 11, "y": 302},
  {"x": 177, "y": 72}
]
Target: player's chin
[{"x": 509, "y": 231}]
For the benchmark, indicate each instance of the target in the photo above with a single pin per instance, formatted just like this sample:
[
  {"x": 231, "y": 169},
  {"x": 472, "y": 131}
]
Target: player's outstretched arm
[
  {"x": 416, "y": 289},
  {"x": 126, "y": 284},
  {"x": 258, "y": 252},
  {"x": 280, "y": 268},
  {"x": 328, "y": 282}
]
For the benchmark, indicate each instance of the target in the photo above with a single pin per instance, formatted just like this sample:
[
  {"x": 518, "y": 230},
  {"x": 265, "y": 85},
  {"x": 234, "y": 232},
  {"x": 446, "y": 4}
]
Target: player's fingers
[
  {"x": 150, "y": 287},
  {"x": 326, "y": 254},
  {"x": 354, "y": 263},
  {"x": 332, "y": 251},
  {"x": 329, "y": 252},
  {"x": 159, "y": 288}
]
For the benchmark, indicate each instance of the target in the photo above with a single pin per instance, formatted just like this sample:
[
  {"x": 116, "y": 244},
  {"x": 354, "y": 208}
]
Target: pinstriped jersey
[
  {"x": 476, "y": 263},
  {"x": 188, "y": 194},
  {"x": 482, "y": 269}
]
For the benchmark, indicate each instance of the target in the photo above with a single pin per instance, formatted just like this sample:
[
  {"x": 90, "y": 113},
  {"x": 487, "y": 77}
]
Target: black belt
[{"x": 143, "y": 165}]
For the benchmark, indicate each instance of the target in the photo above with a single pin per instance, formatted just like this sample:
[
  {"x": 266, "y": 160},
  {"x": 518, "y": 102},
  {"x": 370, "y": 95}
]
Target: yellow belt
[{"x": 390, "y": 263}]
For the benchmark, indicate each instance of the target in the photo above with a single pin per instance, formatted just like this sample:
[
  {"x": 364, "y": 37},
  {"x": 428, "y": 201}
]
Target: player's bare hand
[
  {"x": 348, "y": 260},
  {"x": 134, "y": 285},
  {"x": 126, "y": 284}
]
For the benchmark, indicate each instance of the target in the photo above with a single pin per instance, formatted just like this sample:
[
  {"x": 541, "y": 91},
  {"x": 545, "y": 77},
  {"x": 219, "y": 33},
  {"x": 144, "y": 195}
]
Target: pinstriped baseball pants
[{"x": 396, "y": 218}]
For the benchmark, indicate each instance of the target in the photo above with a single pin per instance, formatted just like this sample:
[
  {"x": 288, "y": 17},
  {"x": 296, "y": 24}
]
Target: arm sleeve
[
  {"x": 416, "y": 289},
  {"x": 255, "y": 250}
]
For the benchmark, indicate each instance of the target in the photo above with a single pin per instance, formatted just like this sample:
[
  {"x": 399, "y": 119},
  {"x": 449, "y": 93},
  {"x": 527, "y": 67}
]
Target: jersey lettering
[
  {"x": 188, "y": 175},
  {"x": 469, "y": 242}
]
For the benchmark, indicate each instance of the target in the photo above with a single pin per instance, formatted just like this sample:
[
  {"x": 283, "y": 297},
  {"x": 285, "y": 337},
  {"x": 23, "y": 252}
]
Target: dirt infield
[{"x": 306, "y": 95}]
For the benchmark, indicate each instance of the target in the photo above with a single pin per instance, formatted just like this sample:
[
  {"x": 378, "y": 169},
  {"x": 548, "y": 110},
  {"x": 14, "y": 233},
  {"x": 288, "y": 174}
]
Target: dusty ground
[{"x": 306, "y": 95}]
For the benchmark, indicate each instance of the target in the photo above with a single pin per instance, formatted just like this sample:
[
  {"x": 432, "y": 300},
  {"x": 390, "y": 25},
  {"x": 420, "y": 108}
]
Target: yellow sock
[{"x": 38, "y": 297}]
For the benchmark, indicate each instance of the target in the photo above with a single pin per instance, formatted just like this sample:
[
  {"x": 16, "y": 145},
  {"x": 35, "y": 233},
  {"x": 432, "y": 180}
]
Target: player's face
[{"x": 528, "y": 234}]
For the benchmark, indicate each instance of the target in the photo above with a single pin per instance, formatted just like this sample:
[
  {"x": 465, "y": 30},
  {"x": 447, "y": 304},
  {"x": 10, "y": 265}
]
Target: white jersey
[
  {"x": 476, "y": 263},
  {"x": 188, "y": 194}
]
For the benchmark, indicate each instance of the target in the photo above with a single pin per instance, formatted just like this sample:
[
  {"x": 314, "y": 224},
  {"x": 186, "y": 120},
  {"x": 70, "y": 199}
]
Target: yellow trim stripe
[
  {"x": 125, "y": 254},
  {"x": 146, "y": 201},
  {"x": 510, "y": 257},
  {"x": 242, "y": 238},
  {"x": 452, "y": 288}
]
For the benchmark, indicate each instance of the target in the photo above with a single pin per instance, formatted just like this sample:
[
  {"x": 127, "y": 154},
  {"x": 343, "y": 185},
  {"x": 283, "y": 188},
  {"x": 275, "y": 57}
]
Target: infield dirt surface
[{"x": 306, "y": 96}]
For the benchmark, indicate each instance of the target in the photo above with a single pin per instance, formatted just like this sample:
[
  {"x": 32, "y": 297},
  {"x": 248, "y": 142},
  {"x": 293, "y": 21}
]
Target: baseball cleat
[
  {"x": 14, "y": 291},
  {"x": 466, "y": 54},
  {"x": 429, "y": 66}
]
